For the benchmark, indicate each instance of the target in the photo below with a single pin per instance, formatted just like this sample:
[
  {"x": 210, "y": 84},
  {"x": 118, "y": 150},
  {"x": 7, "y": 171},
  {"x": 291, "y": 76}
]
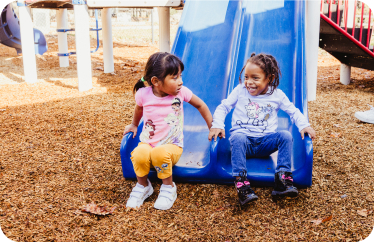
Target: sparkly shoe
[{"x": 244, "y": 190}]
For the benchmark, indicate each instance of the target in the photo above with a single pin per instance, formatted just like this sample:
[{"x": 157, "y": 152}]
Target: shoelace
[
  {"x": 288, "y": 180},
  {"x": 247, "y": 188}
]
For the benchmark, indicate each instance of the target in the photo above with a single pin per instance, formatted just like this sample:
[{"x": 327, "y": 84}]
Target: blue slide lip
[{"x": 214, "y": 39}]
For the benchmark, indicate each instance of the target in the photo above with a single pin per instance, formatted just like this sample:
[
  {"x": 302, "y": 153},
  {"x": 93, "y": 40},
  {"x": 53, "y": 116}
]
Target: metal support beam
[
  {"x": 312, "y": 42},
  {"x": 106, "y": 18},
  {"x": 82, "y": 43},
  {"x": 27, "y": 42},
  {"x": 164, "y": 25},
  {"x": 345, "y": 74},
  {"x": 62, "y": 23}
]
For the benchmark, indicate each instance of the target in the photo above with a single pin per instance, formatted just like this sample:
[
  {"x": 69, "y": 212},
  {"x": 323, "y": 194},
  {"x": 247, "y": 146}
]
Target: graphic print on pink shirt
[{"x": 164, "y": 116}]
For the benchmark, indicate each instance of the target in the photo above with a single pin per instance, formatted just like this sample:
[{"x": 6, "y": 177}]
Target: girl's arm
[
  {"x": 297, "y": 117},
  {"x": 133, "y": 127},
  {"x": 203, "y": 109}
]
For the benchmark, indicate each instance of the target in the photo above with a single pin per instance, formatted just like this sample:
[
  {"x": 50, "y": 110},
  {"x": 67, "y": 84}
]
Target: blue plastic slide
[
  {"x": 10, "y": 34},
  {"x": 214, "y": 40}
]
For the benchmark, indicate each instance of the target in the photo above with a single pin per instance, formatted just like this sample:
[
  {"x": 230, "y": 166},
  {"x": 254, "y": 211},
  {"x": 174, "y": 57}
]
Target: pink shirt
[{"x": 163, "y": 116}]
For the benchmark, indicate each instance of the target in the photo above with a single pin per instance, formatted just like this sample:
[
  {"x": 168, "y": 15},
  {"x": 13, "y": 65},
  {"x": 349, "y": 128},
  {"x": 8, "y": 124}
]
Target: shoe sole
[
  {"x": 290, "y": 193},
  {"x": 146, "y": 196},
  {"x": 248, "y": 200},
  {"x": 169, "y": 206},
  {"x": 363, "y": 119}
]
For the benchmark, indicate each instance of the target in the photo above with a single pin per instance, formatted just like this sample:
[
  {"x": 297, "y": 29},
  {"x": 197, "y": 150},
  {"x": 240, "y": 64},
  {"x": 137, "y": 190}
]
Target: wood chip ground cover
[{"x": 60, "y": 152}]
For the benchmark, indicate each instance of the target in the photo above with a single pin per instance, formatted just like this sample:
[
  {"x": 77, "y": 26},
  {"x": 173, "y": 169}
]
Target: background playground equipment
[
  {"x": 10, "y": 34},
  {"x": 82, "y": 37},
  {"x": 91, "y": 29},
  {"x": 346, "y": 34},
  {"x": 215, "y": 64}
]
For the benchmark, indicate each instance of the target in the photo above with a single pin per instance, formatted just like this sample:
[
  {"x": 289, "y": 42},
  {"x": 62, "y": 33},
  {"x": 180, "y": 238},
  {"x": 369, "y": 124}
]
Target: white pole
[
  {"x": 82, "y": 43},
  {"x": 164, "y": 16},
  {"x": 62, "y": 23},
  {"x": 153, "y": 35},
  {"x": 345, "y": 74},
  {"x": 106, "y": 18},
  {"x": 28, "y": 47},
  {"x": 312, "y": 43},
  {"x": 351, "y": 11}
]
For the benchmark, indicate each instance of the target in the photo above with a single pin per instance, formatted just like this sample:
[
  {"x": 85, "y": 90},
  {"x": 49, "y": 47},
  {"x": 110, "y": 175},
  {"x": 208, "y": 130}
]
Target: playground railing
[{"x": 354, "y": 22}]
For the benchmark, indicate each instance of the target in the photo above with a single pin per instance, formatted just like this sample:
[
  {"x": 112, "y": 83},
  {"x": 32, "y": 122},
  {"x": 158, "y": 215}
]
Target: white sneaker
[
  {"x": 167, "y": 197},
  {"x": 139, "y": 194},
  {"x": 366, "y": 116}
]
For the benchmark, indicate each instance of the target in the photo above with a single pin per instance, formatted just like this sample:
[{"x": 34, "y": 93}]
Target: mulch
[{"x": 61, "y": 175}]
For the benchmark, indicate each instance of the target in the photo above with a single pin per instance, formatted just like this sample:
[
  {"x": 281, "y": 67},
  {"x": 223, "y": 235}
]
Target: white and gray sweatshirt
[{"x": 256, "y": 116}]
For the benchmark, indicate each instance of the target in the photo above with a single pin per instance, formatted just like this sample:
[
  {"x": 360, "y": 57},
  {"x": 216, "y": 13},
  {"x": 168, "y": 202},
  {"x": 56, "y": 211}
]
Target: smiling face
[{"x": 255, "y": 80}]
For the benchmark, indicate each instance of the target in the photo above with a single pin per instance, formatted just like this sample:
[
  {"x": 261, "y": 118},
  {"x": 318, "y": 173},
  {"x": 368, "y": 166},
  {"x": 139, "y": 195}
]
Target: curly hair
[{"x": 268, "y": 64}]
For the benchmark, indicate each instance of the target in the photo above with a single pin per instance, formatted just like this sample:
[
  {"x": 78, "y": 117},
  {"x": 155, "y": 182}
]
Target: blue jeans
[{"x": 243, "y": 146}]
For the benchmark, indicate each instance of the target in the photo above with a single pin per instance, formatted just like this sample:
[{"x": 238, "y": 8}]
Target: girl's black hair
[
  {"x": 159, "y": 65},
  {"x": 269, "y": 65}
]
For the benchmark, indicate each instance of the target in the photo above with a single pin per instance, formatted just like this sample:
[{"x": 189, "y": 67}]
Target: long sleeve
[
  {"x": 224, "y": 108},
  {"x": 296, "y": 116}
]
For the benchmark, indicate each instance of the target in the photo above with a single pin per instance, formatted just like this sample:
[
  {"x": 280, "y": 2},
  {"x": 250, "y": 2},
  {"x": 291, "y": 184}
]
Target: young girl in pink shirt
[{"x": 160, "y": 103}]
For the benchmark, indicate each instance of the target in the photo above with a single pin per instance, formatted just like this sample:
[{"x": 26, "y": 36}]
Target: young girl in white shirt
[{"x": 254, "y": 125}]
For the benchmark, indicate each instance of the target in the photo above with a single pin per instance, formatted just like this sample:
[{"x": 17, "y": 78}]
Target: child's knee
[
  {"x": 285, "y": 136},
  {"x": 162, "y": 161},
  {"x": 159, "y": 155},
  {"x": 238, "y": 138},
  {"x": 141, "y": 160}
]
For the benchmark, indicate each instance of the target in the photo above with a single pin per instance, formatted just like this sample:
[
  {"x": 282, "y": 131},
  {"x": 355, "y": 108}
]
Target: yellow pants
[{"x": 162, "y": 158}]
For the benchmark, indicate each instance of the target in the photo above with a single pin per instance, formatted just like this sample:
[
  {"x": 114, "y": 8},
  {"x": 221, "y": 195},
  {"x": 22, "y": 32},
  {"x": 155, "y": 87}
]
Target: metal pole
[
  {"x": 164, "y": 16},
  {"x": 82, "y": 43},
  {"x": 311, "y": 42},
  {"x": 106, "y": 18},
  {"x": 153, "y": 34},
  {"x": 62, "y": 23},
  {"x": 27, "y": 42},
  {"x": 345, "y": 74}
]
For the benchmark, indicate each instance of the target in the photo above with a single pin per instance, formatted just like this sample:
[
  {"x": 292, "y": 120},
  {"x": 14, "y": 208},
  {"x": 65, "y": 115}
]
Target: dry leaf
[
  {"x": 98, "y": 210},
  {"x": 364, "y": 212},
  {"x": 335, "y": 135},
  {"x": 370, "y": 197},
  {"x": 317, "y": 221},
  {"x": 327, "y": 219}
]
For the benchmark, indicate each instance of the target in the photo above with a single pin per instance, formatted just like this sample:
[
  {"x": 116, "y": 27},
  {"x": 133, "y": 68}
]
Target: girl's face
[
  {"x": 175, "y": 107},
  {"x": 255, "y": 80},
  {"x": 172, "y": 85}
]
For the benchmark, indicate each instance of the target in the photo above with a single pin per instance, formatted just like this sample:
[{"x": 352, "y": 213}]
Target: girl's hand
[
  {"x": 310, "y": 131},
  {"x": 216, "y": 132},
  {"x": 130, "y": 128}
]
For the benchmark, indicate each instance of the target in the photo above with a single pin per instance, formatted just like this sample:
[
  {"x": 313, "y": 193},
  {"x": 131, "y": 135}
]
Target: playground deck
[{"x": 60, "y": 151}]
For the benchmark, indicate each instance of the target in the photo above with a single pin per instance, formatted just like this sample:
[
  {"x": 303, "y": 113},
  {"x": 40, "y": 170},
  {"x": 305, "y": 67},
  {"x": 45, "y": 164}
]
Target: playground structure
[
  {"x": 10, "y": 34},
  {"x": 344, "y": 35},
  {"x": 231, "y": 23},
  {"x": 81, "y": 20}
]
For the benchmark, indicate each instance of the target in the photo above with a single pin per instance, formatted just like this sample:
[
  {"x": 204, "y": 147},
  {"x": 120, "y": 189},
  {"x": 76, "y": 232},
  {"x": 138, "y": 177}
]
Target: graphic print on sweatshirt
[{"x": 258, "y": 116}]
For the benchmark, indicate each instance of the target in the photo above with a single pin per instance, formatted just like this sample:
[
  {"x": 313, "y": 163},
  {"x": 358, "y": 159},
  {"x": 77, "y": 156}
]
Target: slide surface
[
  {"x": 10, "y": 34},
  {"x": 214, "y": 40}
]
